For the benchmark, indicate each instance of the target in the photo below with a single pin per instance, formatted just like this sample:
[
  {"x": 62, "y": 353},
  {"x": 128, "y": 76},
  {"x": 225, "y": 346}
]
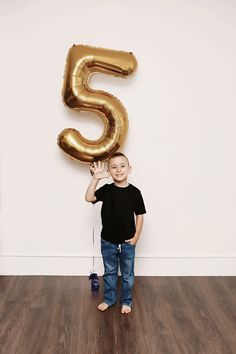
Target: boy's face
[{"x": 119, "y": 168}]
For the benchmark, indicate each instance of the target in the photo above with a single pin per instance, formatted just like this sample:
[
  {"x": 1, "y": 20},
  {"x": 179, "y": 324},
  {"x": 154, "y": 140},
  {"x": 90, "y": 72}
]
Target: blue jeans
[{"x": 111, "y": 253}]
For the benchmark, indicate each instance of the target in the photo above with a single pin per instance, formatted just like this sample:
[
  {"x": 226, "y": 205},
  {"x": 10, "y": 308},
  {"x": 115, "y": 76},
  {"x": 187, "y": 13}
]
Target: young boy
[{"x": 120, "y": 232}]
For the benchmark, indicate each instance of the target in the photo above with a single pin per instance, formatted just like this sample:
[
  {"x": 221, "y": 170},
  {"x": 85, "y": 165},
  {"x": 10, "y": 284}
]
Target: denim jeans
[{"x": 114, "y": 254}]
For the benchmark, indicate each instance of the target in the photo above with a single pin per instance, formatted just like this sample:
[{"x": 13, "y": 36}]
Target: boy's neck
[{"x": 121, "y": 184}]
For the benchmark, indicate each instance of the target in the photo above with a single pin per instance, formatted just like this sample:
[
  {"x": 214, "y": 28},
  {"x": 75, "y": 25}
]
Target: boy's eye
[{"x": 114, "y": 167}]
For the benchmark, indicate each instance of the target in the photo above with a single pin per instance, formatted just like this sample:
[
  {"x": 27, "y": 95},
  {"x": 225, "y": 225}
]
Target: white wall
[{"x": 181, "y": 140}]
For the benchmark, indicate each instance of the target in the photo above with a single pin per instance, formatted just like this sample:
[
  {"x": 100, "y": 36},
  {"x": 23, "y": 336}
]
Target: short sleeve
[
  {"x": 139, "y": 206},
  {"x": 100, "y": 193}
]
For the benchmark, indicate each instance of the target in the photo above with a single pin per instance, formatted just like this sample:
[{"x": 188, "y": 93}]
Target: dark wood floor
[{"x": 174, "y": 315}]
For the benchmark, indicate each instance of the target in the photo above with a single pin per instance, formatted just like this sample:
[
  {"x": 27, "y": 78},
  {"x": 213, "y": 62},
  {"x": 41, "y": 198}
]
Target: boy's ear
[
  {"x": 130, "y": 169},
  {"x": 108, "y": 171}
]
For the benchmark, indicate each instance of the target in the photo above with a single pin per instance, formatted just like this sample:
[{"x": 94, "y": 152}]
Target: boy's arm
[
  {"x": 89, "y": 195},
  {"x": 139, "y": 225},
  {"x": 98, "y": 171}
]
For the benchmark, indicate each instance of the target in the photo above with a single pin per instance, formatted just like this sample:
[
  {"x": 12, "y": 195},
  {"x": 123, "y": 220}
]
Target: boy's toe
[
  {"x": 126, "y": 309},
  {"x": 103, "y": 306}
]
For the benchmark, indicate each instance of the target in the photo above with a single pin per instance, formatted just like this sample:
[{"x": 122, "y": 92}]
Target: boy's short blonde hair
[{"x": 117, "y": 154}]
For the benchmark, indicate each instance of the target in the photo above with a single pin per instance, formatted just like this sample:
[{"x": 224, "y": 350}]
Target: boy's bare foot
[
  {"x": 103, "y": 306},
  {"x": 126, "y": 309}
]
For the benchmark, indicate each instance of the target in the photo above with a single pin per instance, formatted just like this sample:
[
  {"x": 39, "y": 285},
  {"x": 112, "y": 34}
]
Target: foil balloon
[{"x": 82, "y": 62}]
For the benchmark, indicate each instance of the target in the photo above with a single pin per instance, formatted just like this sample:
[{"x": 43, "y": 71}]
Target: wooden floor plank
[
  {"x": 230, "y": 283},
  {"x": 188, "y": 333},
  {"x": 12, "y": 319},
  {"x": 67, "y": 332},
  {"x": 222, "y": 307},
  {"x": 203, "y": 315},
  {"x": 159, "y": 336}
]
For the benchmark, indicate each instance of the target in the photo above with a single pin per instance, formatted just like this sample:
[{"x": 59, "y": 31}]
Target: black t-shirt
[{"x": 118, "y": 208}]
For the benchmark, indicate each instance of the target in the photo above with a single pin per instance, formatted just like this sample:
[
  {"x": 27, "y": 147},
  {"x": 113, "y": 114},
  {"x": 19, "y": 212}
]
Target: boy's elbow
[{"x": 90, "y": 200}]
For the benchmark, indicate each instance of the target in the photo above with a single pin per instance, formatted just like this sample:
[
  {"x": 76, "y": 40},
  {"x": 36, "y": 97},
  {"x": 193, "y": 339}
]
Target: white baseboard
[{"x": 145, "y": 265}]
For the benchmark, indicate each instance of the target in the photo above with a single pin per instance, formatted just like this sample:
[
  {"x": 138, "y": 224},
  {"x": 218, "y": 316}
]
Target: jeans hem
[
  {"x": 128, "y": 304},
  {"x": 109, "y": 304}
]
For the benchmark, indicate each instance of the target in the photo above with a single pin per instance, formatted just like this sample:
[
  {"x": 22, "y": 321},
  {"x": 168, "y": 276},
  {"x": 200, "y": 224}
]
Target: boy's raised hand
[{"x": 98, "y": 170}]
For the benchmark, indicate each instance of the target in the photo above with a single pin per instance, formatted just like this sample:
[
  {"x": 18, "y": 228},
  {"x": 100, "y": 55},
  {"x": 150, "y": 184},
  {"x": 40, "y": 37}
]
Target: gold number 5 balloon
[{"x": 82, "y": 62}]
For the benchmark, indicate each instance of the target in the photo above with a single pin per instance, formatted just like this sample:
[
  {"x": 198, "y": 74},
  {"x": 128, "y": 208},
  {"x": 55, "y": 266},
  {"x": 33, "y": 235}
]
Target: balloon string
[{"x": 93, "y": 238}]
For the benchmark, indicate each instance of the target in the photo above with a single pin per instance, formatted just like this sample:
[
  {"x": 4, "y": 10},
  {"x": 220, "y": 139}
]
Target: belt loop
[{"x": 119, "y": 247}]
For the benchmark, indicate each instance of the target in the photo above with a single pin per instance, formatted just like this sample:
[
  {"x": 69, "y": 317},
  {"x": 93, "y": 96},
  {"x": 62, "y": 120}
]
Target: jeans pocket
[
  {"x": 130, "y": 244},
  {"x": 104, "y": 242}
]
